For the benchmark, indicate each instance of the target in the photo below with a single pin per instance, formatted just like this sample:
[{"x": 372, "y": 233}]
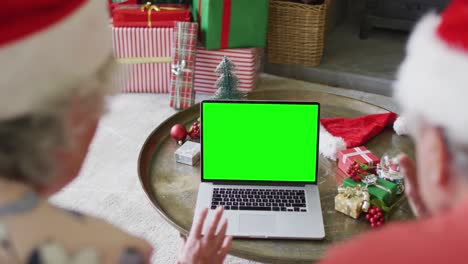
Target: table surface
[{"x": 172, "y": 187}]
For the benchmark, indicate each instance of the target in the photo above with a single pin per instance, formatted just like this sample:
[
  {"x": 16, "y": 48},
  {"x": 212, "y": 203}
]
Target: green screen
[{"x": 259, "y": 141}]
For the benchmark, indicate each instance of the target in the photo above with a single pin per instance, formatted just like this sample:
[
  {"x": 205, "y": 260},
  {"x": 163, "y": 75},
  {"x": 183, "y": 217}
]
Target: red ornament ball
[
  {"x": 179, "y": 132},
  {"x": 194, "y": 131}
]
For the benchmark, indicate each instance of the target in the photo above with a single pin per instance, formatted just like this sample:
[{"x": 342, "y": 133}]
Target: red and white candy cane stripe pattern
[
  {"x": 247, "y": 63},
  {"x": 141, "y": 43}
]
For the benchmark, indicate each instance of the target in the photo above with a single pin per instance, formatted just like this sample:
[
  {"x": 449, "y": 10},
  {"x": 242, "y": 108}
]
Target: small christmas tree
[{"x": 227, "y": 82}]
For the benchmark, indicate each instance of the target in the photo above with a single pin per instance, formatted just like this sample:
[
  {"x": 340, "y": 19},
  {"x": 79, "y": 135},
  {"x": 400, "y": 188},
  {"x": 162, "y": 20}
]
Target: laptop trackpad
[{"x": 257, "y": 224}]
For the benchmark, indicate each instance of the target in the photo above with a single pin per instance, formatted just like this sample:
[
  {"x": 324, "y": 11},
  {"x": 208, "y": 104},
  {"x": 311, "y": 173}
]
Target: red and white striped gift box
[
  {"x": 145, "y": 55},
  {"x": 247, "y": 63}
]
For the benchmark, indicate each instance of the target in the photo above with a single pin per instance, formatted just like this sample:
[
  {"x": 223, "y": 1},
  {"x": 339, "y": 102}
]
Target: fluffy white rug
[{"x": 108, "y": 185}]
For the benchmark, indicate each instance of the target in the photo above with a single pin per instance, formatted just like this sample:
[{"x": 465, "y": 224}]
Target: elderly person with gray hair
[
  {"x": 432, "y": 88},
  {"x": 56, "y": 65}
]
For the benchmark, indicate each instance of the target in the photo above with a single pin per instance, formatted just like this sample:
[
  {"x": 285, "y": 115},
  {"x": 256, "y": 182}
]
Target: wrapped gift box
[
  {"x": 247, "y": 63},
  {"x": 157, "y": 2},
  {"x": 149, "y": 15},
  {"x": 113, "y": 4},
  {"x": 383, "y": 190},
  {"x": 352, "y": 201},
  {"x": 359, "y": 154},
  {"x": 232, "y": 23},
  {"x": 145, "y": 55},
  {"x": 184, "y": 51},
  {"x": 340, "y": 177},
  {"x": 189, "y": 153}
]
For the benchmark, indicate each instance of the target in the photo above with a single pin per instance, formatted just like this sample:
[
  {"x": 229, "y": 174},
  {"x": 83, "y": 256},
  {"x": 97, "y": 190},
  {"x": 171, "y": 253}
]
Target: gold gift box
[{"x": 352, "y": 201}]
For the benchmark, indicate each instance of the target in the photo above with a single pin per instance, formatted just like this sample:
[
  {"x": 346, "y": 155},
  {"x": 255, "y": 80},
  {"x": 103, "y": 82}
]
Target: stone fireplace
[
  {"x": 395, "y": 14},
  {"x": 365, "y": 43}
]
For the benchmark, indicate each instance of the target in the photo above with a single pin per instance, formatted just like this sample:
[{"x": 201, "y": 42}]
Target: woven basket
[{"x": 296, "y": 33}]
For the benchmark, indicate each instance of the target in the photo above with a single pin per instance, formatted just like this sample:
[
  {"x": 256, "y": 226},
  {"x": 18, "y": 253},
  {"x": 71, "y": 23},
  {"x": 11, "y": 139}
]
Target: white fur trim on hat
[
  {"x": 329, "y": 145},
  {"x": 400, "y": 126},
  {"x": 433, "y": 81},
  {"x": 51, "y": 61}
]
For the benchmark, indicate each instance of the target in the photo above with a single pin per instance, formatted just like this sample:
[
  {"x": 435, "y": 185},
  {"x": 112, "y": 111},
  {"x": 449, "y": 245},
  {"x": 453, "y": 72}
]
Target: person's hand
[
  {"x": 211, "y": 248},
  {"x": 412, "y": 186}
]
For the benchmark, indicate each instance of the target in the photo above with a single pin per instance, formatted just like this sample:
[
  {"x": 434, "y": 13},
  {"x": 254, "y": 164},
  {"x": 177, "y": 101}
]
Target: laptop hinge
[{"x": 295, "y": 184}]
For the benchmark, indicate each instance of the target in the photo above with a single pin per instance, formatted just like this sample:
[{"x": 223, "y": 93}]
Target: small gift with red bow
[{"x": 355, "y": 159}]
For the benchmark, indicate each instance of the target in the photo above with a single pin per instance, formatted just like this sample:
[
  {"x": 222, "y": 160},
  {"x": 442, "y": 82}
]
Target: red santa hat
[
  {"x": 46, "y": 47},
  {"x": 337, "y": 134},
  {"x": 432, "y": 81}
]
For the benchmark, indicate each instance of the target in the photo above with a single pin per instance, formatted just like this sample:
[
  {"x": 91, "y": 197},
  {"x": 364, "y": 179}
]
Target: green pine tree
[{"x": 227, "y": 82}]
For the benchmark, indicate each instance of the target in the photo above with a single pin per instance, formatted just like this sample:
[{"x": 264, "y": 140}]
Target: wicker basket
[{"x": 296, "y": 32}]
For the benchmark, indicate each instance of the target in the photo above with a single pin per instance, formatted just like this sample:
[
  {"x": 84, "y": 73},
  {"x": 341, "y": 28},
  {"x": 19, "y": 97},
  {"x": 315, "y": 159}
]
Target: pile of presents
[
  {"x": 366, "y": 181},
  {"x": 174, "y": 46}
]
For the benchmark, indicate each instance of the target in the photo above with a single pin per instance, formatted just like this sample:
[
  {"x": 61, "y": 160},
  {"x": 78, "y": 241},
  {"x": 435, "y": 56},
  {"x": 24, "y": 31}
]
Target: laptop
[{"x": 259, "y": 160}]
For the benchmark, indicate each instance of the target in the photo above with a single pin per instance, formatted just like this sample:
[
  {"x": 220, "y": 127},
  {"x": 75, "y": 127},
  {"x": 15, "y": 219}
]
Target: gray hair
[{"x": 26, "y": 142}]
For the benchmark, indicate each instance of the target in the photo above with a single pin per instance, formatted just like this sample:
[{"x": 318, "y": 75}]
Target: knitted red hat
[
  {"x": 337, "y": 134},
  {"x": 47, "y": 46},
  {"x": 432, "y": 82}
]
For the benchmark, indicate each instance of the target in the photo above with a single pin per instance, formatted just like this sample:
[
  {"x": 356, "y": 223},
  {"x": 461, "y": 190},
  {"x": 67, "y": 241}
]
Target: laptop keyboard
[{"x": 259, "y": 199}]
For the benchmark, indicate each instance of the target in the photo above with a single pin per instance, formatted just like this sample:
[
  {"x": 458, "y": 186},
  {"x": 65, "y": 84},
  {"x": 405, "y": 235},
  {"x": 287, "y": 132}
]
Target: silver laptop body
[{"x": 283, "y": 210}]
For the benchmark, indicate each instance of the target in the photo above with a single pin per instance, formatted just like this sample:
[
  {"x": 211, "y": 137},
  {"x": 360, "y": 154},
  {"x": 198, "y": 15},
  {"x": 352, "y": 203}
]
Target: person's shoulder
[
  {"x": 368, "y": 245},
  {"x": 422, "y": 240},
  {"x": 53, "y": 232},
  {"x": 115, "y": 243}
]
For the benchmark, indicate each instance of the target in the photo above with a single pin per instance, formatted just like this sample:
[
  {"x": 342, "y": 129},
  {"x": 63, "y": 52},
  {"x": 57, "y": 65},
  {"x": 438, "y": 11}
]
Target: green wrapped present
[
  {"x": 232, "y": 23},
  {"x": 382, "y": 189}
]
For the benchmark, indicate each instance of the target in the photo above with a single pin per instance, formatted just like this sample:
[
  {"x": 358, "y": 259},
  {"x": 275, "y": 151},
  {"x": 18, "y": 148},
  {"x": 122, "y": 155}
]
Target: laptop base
[{"x": 267, "y": 224}]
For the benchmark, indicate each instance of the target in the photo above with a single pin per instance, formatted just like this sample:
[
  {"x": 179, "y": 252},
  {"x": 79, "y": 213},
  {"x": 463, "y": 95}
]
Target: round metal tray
[{"x": 172, "y": 187}]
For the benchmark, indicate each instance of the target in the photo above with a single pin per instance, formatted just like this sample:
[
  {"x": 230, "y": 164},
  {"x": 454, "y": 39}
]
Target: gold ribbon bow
[
  {"x": 150, "y": 7},
  {"x": 357, "y": 191}
]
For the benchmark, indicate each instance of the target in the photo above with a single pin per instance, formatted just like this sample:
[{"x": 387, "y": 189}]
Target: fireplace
[{"x": 395, "y": 14}]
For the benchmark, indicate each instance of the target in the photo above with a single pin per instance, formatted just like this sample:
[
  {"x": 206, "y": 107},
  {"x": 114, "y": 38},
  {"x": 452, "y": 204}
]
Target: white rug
[{"x": 108, "y": 186}]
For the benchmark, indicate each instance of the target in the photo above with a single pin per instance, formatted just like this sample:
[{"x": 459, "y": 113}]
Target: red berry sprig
[
  {"x": 375, "y": 217},
  {"x": 194, "y": 131},
  {"x": 355, "y": 172}
]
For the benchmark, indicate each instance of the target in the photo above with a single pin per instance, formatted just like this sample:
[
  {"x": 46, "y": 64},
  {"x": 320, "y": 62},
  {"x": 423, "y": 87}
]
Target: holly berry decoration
[
  {"x": 375, "y": 217},
  {"x": 194, "y": 131},
  {"x": 179, "y": 133},
  {"x": 355, "y": 172}
]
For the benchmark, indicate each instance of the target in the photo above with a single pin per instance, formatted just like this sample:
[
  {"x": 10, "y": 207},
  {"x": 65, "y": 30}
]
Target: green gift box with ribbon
[
  {"x": 382, "y": 189},
  {"x": 231, "y": 23}
]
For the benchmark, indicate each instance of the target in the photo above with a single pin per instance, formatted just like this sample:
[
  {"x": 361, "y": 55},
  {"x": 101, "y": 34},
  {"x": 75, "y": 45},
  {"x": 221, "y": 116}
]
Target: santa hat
[
  {"x": 337, "y": 134},
  {"x": 432, "y": 81},
  {"x": 46, "y": 47}
]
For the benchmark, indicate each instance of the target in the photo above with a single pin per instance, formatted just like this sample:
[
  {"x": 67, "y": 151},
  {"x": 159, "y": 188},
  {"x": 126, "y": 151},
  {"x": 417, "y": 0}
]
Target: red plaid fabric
[{"x": 183, "y": 65}]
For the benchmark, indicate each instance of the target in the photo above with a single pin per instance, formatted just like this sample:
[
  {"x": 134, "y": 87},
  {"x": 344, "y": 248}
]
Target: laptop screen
[{"x": 259, "y": 141}]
